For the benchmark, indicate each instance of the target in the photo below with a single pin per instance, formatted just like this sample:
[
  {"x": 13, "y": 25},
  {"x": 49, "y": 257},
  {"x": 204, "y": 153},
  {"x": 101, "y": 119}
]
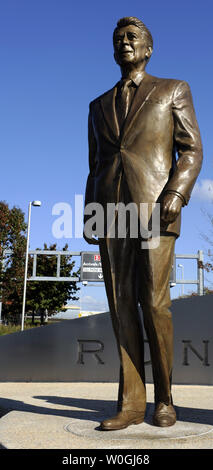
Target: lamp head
[{"x": 36, "y": 203}]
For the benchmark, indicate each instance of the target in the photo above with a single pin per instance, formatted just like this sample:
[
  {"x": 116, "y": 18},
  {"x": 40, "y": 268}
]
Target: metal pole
[
  {"x": 26, "y": 268},
  {"x": 182, "y": 280},
  {"x": 200, "y": 274},
  {"x": 1, "y": 293},
  {"x": 182, "y": 276},
  {"x": 1, "y": 296},
  {"x": 5, "y": 252}
]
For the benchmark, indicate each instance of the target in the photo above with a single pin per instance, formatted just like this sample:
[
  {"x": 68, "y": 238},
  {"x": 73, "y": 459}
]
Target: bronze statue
[{"x": 144, "y": 147}]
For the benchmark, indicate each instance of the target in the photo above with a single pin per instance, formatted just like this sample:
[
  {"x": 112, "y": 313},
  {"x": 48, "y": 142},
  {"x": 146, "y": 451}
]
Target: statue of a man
[{"x": 144, "y": 147}]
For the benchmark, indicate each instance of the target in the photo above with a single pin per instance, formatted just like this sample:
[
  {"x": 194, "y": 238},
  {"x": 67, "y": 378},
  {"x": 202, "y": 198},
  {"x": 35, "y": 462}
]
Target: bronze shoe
[
  {"x": 164, "y": 415},
  {"x": 122, "y": 420}
]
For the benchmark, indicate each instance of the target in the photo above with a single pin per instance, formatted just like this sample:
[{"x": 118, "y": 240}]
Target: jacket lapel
[
  {"x": 145, "y": 89},
  {"x": 109, "y": 111}
]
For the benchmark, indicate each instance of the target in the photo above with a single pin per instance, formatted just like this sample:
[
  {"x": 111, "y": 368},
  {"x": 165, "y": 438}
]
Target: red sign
[{"x": 97, "y": 258}]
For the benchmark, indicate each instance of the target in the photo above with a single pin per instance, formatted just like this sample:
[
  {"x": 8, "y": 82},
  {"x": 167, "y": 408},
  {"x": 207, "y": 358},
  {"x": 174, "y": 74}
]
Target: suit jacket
[{"x": 159, "y": 146}]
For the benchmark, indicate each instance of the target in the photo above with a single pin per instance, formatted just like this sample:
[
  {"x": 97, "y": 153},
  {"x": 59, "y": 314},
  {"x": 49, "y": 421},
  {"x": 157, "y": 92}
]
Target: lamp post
[
  {"x": 182, "y": 286},
  {"x": 36, "y": 204},
  {"x": 2, "y": 262}
]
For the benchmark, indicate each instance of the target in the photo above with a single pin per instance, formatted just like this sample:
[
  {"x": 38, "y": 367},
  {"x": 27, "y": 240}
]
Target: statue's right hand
[{"x": 91, "y": 241}]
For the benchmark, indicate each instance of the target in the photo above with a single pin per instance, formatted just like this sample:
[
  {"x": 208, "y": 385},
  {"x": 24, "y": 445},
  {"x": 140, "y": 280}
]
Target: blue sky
[{"x": 56, "y": 56}]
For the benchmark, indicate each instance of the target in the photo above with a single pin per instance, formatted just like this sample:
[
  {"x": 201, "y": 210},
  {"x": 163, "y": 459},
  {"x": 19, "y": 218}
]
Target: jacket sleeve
[
  {"x": 90, "y": 186},
  {"x": 187, "y": 144}
]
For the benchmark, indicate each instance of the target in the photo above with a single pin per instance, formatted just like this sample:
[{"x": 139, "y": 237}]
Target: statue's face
[{"x": 130, "y": 46}]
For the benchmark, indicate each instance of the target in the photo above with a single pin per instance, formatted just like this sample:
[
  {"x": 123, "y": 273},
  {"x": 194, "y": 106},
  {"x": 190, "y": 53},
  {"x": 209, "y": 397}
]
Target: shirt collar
[{"x": 137, "y": 78}]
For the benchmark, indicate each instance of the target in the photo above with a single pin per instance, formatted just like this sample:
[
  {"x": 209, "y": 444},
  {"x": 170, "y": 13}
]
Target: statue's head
[{"x": 132, "y": 42}]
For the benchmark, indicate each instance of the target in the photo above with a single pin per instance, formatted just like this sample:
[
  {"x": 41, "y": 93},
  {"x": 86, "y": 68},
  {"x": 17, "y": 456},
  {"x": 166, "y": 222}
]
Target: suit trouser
[{"x": 134, "y": 275}]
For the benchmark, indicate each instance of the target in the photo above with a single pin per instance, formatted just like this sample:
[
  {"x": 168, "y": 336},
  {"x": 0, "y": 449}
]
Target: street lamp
[
  {"x": 35, "y": 204},
  {"x": 182, "y": 286}
]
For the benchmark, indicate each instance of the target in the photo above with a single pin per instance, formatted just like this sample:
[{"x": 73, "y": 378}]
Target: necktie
[{"x": 123, "y": 100}]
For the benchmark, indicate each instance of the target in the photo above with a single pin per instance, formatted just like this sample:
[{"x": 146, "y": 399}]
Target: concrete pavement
[{"x": 67, "y": 415}]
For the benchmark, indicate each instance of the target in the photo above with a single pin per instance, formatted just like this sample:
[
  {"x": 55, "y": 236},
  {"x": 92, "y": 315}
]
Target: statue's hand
[
  {"x": 170, "y": 207},
  {"x": 91, "y": 241}
]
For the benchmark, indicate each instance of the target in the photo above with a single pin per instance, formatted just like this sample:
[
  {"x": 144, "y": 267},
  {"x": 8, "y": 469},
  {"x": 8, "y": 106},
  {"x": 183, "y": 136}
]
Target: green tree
[{"x": 13, "y": 238}]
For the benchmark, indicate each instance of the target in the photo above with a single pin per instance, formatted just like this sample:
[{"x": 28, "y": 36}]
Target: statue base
[{"x": 189, "y": 425}]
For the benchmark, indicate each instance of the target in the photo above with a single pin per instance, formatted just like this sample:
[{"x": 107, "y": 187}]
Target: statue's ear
[{"x": 149, "y": 52}]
